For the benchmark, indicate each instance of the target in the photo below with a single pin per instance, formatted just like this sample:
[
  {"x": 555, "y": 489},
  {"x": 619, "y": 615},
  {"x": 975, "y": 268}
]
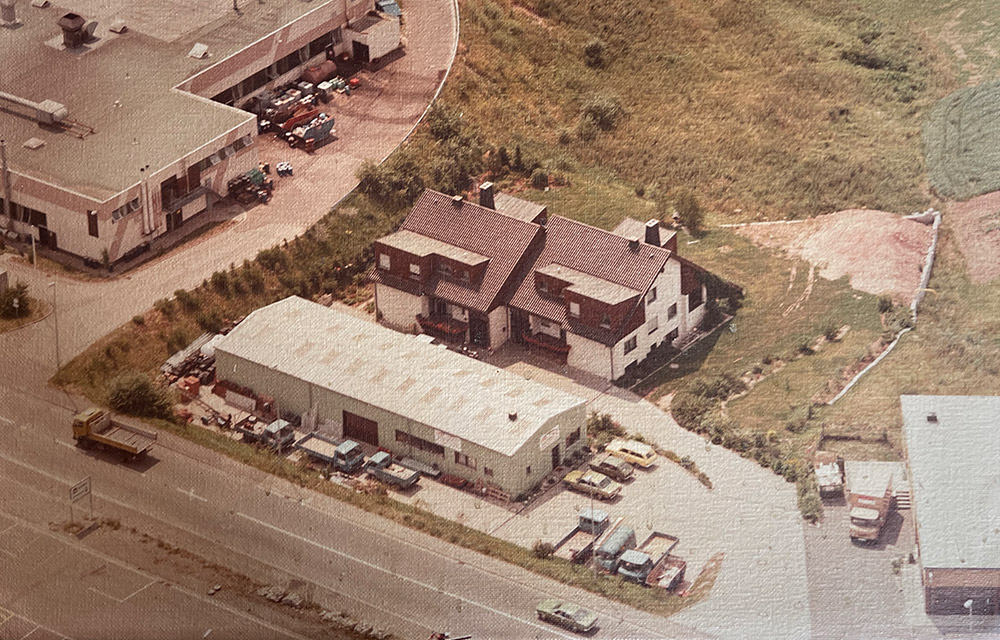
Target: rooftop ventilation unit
[
  {"x": 8, "y": 13},
  {"x": 72, "y": 28},
  {"x": 932, "y": 418},
  {"x": 45, "y": 112},
  {"x": 199, "y": 51}
]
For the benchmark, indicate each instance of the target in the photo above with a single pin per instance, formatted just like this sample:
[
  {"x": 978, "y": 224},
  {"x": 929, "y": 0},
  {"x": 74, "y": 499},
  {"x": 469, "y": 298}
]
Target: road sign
[{"x": 80, "y": 490}]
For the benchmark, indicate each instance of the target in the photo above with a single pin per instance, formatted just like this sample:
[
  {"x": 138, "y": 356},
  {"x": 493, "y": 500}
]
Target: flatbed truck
[
  {"x": 97, "y": 426},
  {"x": 381, "y": 467},
  {"x": 345, "y": 456},
  {"x": 577, "y": 545},
  {"x": 637, "y": 564}
]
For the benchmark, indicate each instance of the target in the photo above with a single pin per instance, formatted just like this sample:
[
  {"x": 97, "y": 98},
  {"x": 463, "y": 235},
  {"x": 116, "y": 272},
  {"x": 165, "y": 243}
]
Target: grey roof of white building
[
  {"x": 955, "y": 478},
  {"x": 426, "y": 383}
]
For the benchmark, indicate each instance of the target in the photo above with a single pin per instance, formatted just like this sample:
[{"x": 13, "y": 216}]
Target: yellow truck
[{"x": 98, "y": 427}]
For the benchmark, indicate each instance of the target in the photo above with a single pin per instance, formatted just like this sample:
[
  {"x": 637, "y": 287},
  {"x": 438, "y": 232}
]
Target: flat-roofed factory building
[{"x": 952, "y": 447}]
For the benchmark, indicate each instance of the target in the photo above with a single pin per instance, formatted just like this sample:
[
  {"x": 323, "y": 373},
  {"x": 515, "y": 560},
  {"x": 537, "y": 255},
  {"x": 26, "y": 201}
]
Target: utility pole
[
  {"x": 55, "y": 317},
  {"x": 5, "y": 174}
]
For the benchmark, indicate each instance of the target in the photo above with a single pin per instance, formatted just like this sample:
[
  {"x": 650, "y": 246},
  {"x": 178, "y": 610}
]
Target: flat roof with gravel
[
  {"x": 395, "y": 372},
  {"x": 953, "y": 444}
]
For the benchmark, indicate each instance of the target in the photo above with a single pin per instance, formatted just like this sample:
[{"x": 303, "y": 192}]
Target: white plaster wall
[
  {"x": 498, "y": 327},
  {"x": 587, "y": 355},
  {"x": 398, "y": 309},
  {"x": 538, "y": 325}
]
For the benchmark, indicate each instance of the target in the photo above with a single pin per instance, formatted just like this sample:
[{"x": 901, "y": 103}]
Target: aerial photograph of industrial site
[{"x": 499, "y": 319}]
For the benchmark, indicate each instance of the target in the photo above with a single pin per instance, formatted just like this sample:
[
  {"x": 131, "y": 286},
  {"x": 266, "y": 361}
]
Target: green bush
[
  {"x": 138, "y": 320},
  {"x": 689, "y": 210},
  {"x": 187, "y": 300},
  {"x": 14, "y": 301},
  {"x": 177, "y": 340},
  {"x": 604, "y": 111},
  {"x": 166, "y": 307},
  {"x": 444, "y": 122},
  {"x": 210, "y": 320},
  {"x": 137, "y": 395},
  {"x": 586, "y": 130},
  {"x": 810, "y": 504},
  {"x": 593, "y": 53},
  {"x": 220, "y": 283},
  {"x": 884, "y": 304},
  {"x": 830, "y": 332},
  {"x": 542, "y": 550},
  {"x": 688, "y": 409},
  {"x": 539, "y": 179}
]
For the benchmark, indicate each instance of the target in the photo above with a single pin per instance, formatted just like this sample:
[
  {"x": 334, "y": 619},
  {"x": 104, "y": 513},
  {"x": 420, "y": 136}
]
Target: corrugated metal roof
[
  {"x": 955, "y": 478},
  {"x": 425, "y": 383}
]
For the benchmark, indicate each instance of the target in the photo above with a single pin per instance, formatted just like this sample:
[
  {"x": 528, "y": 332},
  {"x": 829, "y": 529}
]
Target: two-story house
[{"x": 503, "y": 269}]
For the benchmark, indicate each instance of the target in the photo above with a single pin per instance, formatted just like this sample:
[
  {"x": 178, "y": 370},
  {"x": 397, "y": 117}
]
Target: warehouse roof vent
[
  {"x": 512, "y": 416},
  {"x": 8, "y": 14},
  {"x": 932, "y": 418},
  {"x": 34, "y": 143},
  {"x": 198, "y": 51}
]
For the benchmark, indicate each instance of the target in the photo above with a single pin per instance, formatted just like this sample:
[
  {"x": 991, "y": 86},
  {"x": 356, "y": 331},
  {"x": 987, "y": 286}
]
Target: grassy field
[{"x": 766, "y": 109}]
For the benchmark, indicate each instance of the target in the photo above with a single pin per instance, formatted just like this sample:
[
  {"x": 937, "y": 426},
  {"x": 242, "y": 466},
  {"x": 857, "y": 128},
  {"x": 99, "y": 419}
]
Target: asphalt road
[{"x": 241, "y": 518}]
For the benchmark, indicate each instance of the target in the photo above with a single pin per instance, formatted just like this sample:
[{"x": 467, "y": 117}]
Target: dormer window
[
  {"x": 605, "y": 321},
  {"x": 543, "y": 286},
  {"x": 384, "y": 262},
  {"x": 574, "y": 309},
  {"x": 414, "y": 271}
]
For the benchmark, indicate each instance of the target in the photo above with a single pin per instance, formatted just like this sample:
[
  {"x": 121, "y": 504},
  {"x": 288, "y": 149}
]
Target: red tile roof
[
  {"x": 594, "y": 251},
  {"x": 503, "y": 239}
]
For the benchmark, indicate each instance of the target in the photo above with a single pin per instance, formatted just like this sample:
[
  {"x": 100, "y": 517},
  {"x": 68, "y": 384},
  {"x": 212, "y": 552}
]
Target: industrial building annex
[
  {"x": 117, "y": 116},
  {"x": 352, "y": 378},
  {"x": 952, "y": 448}
]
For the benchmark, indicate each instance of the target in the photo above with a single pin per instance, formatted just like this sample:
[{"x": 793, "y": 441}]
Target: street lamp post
[{"x": 55, "y": 317}]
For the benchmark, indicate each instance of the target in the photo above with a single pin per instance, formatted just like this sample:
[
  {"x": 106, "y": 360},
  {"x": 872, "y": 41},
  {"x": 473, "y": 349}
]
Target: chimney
[
  {"x": 512, "y": 416},
  {"x": 456, "y": 200},
  {"x": 72, "y": 28},
  {"x": 8, "y": 13},
  {"x": 633, "y": 244},
  {"x": 653, "y": 232},
  {"x": 486, "y": 195}
]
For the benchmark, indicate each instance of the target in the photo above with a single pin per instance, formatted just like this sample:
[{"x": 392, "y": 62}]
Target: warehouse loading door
[{"x": 361, "y": 429}]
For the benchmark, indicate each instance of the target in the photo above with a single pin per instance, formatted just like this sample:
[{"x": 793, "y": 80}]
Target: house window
[
  {"x": 545, "y": 324},
  {"x": 92, "y": 223},
  {"x": 488, "y": 471},
  {"x": 630, "y": 344},
  {"x": 465, "y": 275},
  {"x": 384, "y": 262},
  {"x": 574, "y": 309},
  {"x": 464, "y": 460},
  {"x": 572, "y": 438},
  {"x": 444, "y": 269},
  {"x": 415, "y": 271},
  {"x": 653, "y": 324},
  {"x": 672, "y": 311},
  {"x": 651, "y": 296},
  {"x": 605, "y": 321},
  {"x": 419, "y": 443},
  {"x": 125, "y": 209},
  {"x": 543, "y": 286}
]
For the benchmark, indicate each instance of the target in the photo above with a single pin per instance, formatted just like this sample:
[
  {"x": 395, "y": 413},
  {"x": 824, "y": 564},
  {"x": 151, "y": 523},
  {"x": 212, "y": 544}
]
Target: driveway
[{"x": 370, "y": 124}]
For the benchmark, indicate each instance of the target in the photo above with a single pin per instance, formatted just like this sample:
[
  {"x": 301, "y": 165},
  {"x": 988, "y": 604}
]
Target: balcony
[
  {"x": 547, "y": 343},
  {"x": 444, "y": 327}
]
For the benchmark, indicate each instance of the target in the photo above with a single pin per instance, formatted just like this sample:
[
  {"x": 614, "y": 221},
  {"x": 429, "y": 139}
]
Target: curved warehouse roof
[{"x": 426, "y": 383}]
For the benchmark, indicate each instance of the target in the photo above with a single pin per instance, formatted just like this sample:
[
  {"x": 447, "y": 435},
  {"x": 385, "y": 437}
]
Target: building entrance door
[
  {"x": 361, "y": 429},
  {"x": 555, "y": 456}
]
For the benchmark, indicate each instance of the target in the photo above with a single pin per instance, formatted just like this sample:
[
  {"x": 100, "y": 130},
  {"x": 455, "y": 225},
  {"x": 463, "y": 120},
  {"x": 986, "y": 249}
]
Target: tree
[
  {"x": 593, "y": 53},
  {"x": 137, "y": 395},
  {"x": 689, "y": 210},
  {"x": 14, "y": 301}
]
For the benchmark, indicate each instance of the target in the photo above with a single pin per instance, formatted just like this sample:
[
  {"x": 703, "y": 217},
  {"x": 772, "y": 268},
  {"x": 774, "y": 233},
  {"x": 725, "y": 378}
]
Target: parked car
[
  {"x": 593, "y": 483},
  {"x": 613, "y": 467},
  {"x": 566, "y": 614},
  {"x": 637, "y": 453}
]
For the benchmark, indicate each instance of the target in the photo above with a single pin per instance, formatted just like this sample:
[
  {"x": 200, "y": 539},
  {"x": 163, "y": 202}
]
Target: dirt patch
[
  {"x": 976, "y": 223},
  {"x": 880, "y": 252}
]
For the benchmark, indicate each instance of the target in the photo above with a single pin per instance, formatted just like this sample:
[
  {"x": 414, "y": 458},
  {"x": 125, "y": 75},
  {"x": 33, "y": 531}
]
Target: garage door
[{"x": 361, "y": 429}]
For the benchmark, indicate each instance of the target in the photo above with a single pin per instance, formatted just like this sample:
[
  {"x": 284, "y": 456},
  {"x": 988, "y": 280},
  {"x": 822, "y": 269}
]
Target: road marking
[
  {"x": 205, "y": 635},
  {"x": 5, "y": 615},
  {"x": 397, "y": 576},
  {"x": 191, "y": 494},
  {"x": 7, "y": 420}
]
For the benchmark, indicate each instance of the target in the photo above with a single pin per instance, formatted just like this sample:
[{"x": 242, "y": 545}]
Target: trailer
[
  {"x": 345, "y": 456},
  {"x": 97, "y": 426},
  {"x": 577, "y": 545},
  {"x": 637, "y": 564},
  {"x": 829, "y": 468},
  {"x": 277, "y": 435},
  {"x": 667, "y": 574}
]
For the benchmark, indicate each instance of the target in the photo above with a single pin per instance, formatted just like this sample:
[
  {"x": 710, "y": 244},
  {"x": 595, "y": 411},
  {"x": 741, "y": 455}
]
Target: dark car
[
  {"x": 566, "y": 614},
  {"x": 612, "y": 467}
]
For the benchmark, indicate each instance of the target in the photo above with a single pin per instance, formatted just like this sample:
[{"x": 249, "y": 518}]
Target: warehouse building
[
  {"x": 355, "y": 379},
  {"x": 117, "y": 116},
  {"x": 952, "y": 447}
]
